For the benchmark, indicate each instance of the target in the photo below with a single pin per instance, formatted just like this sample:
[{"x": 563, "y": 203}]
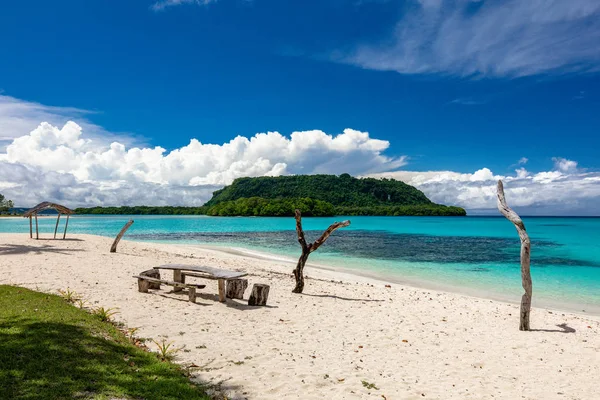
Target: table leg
[
  {"x": 222, "y": 290},
  {"x": 178, "y": 277}
]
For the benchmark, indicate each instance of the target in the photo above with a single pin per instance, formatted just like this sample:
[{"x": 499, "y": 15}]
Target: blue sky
[{"x": 452, "y": 86}]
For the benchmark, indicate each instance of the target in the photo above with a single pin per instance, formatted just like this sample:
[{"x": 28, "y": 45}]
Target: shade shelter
[{"x": 33, "y": 212}]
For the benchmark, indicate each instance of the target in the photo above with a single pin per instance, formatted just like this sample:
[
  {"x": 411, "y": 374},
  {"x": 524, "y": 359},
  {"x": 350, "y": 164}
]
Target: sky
[{"x": 163, "y": 102}]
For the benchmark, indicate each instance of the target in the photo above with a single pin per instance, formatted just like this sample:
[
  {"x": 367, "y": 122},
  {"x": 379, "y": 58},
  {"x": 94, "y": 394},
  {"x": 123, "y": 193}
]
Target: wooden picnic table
[{"x": 180, "y": 271}]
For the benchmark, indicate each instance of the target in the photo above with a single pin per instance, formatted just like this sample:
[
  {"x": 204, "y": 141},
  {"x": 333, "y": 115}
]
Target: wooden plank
[
  {"x": 206, "y": 276},
  {"x": 177, "y": 277},
  {"x": 217, "y": 273},
  {"x": 222, "y": 290},
  {"x": 170, "y": 283},
  {"x": 30, "y": 228}
]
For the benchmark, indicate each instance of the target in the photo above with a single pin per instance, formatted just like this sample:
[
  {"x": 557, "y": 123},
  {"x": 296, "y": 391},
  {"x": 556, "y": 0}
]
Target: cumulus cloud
[
  {"x": 66, "y": 165},
  {"x": 562, "y": 191},
  {"x": 19, "y": 117},
  {"x": 511, "y": 38},
  {"x": 63, "y": 163}
]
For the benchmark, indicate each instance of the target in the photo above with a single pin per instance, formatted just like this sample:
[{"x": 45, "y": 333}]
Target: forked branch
[{"x": 308, "y": 248}]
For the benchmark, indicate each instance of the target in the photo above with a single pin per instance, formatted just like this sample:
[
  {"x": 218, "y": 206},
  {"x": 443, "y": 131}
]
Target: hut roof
[{"x": 45, "y": 205}]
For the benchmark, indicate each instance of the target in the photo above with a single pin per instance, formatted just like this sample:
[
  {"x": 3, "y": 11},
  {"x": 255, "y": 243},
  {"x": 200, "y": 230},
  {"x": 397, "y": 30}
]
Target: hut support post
[
  {"x": 56, "y": 228},
  {"x": 66, "y": 226},
  {"x": 37, "y": 233},
  {"x": 30, "y": 228}
]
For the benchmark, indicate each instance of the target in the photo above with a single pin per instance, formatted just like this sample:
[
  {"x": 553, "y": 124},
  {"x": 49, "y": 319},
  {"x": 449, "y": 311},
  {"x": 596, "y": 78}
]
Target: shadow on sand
[
  {"x": 564, "y": 328},
  {"x": 13, "y": 249}
]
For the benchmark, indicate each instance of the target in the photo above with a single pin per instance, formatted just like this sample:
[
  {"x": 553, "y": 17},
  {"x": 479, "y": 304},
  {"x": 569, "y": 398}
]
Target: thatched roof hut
[{"x": 33, "y": 212}]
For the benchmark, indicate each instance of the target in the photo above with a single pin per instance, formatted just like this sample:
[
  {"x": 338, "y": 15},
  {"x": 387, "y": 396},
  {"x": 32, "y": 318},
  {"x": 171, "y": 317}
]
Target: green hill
[
  {"x": 314, "y": 195},
  {"x": 342, "y": 190},
  {"x": 322, "y": 195}
]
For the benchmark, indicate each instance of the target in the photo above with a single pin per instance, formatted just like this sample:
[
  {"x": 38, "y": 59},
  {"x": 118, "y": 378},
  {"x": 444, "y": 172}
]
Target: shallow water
[{"x": 478, "y": 255}]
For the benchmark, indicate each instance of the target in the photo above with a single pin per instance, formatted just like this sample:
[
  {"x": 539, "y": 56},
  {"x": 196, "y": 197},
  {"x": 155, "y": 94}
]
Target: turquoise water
[{"x": 478, "y": 255}]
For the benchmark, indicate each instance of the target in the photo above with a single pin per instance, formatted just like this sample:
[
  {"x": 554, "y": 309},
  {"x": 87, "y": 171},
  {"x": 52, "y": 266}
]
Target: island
[{"x": 314, "y": 195}]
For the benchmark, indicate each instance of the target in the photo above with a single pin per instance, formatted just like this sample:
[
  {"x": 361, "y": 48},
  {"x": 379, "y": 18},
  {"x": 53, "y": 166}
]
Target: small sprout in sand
[
  {"x": 237, "y": 362},
  {"x": 105, "y": 314},
  {"x": 181, "y": 333},
  {"x": 69, "y": 295},
  {"x": 82, "y": 303},
  {"x": 369, "y": 385},
  {"x": 166, "y": 351},
  {"x": 130, "y": 332},
  {"x": 326, "y": 376},
  {"x": 201, "y": 346}
]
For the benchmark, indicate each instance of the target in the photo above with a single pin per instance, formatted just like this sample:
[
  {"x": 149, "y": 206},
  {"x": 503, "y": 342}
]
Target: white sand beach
[{"x": 344, "y": 333}]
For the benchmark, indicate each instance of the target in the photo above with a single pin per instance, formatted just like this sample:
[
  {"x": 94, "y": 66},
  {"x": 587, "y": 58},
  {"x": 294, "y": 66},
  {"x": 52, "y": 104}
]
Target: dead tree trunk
[
  {"x": 308, "y": 248},
  {"x": 525, "y": 257},
  {"x": 259, "y": 295},
  {"x": 113, "y": 248},
  {"x": 236, "y": 288}
]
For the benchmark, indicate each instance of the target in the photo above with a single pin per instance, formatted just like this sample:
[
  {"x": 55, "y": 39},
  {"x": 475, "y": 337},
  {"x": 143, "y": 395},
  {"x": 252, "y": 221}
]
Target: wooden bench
[
  {"x": 180, "y": 271},
  {"x": 145, "y": 281}
]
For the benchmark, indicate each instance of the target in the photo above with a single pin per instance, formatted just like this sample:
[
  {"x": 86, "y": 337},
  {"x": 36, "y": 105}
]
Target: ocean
[{"x": 472, "y": 255}]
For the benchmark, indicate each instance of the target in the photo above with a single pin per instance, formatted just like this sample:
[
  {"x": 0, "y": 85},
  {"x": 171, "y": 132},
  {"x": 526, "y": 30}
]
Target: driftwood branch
[
  {"x": 308, "y": 248},
  {"x": 525, "y": 257},
  {"x": 113, "y": 248}
]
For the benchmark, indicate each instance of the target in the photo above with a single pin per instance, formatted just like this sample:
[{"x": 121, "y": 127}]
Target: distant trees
[
  {"x": 5, "y": 204},
  {"x": 313, "y": 195}
]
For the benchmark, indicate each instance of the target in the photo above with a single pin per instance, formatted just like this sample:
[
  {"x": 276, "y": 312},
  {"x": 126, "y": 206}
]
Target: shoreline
[
  {"x": 343, "y": 331},
  {"x": 349, "y": 274}
]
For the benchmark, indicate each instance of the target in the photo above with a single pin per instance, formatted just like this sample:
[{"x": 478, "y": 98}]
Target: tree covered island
[{"x": 314, "y": 195}]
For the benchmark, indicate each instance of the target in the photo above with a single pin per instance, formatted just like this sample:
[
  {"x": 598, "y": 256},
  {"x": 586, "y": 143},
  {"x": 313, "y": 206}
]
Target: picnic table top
[{"x": 215, "y": 273}]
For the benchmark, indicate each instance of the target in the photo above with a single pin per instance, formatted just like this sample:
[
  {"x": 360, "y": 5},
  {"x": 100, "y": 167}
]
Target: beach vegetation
[
  {"x": 5, "y": 204},
  {"x": 105, "y": 314},
  {"x": 54, "y": 350},
  {"x": 313, "y": 195},
  {"x": 167, "y": 350},
  {"x": 369, "y": 385},
  {"x": 70, "y": 296}
]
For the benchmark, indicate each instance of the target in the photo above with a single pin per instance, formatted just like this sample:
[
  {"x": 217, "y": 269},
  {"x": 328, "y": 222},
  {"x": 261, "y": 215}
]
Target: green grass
[{"x": 50, "y": 349}]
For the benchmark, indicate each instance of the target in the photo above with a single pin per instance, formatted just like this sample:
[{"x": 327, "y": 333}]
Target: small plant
[
  {"x": 167, "y": 351},
  {"x": 105, "y": 314},
  {"x": 82, "y": 303},
  {"x": 369, "y": 385},
  {"x": 131, "y": 332},
  {"x": 69, "y": 295}
]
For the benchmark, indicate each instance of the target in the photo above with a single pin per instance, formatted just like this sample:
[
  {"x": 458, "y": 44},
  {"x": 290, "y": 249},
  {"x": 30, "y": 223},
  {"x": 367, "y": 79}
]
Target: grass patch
[{"x": 50, "y": 349}]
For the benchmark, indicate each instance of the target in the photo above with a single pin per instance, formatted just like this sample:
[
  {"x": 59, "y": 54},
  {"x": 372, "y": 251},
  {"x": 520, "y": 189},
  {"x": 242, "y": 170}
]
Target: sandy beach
[{"x": 346, "y": 337}]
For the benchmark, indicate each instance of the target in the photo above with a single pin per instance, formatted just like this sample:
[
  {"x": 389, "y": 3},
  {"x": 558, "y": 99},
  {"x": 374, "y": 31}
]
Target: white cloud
[
  {"x": 64, "y": 164},
  {"x": 162, "y": 4},
  {"x": 564, "y": 165},
  {"x": 509, "y": 38},
  {"x": 19, "y": 117},
  {"x": 563, "y": 191}
]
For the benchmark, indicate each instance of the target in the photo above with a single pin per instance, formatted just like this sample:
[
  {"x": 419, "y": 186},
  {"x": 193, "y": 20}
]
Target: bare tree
[
  {"x": 308, "y": 248},
  {"x": 525, "y": 257}
]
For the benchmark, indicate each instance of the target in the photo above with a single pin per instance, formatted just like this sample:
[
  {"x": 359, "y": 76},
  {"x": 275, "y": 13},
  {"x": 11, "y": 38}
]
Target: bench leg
[
  {"x": 192, "y": 294},
  {"x": 178, "y": 277},
  {"x": 222, "y": 290},
  {"x": 143, "y": 285}
]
